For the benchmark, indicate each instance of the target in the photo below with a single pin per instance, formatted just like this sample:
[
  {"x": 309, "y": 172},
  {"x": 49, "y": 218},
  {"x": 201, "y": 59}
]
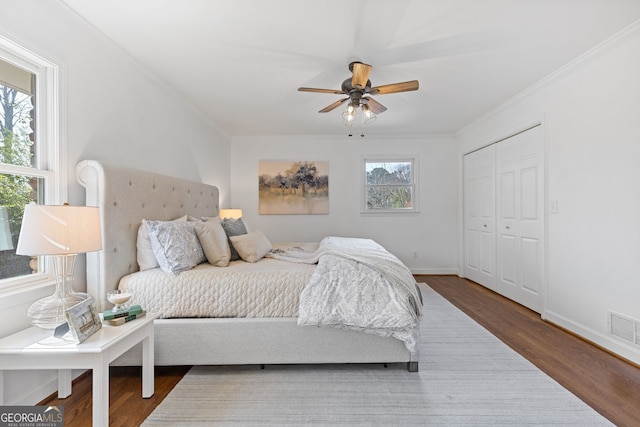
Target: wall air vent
[{"x": 624, "y": 327}]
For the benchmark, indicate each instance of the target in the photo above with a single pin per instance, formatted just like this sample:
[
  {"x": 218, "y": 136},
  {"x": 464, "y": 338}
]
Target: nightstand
[{"x": 27, "y": 349}]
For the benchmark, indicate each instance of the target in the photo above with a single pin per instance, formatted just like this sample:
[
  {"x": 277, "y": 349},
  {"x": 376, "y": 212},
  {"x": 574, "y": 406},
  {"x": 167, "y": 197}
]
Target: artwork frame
[{"x": 293, "y": 187}]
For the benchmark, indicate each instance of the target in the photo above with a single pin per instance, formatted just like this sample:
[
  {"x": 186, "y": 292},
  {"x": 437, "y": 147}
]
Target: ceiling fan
[{"x": 357, "y": 88}]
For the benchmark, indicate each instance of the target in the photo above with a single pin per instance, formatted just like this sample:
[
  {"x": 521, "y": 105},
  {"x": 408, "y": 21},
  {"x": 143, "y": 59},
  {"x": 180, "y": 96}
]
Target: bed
[{"x": 127, "y": 196}]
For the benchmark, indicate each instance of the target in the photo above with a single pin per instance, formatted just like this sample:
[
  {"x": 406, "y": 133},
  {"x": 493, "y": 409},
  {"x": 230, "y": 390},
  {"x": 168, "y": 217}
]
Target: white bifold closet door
[
  {"x": 480, "y": 216},
  {"x": 520, "y": 217},
  {"x": 518, "y": 212}
]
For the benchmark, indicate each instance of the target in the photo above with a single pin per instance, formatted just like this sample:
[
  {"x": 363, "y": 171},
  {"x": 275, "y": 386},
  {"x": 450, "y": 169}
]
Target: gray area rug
[{"x": 467, "y": 377}]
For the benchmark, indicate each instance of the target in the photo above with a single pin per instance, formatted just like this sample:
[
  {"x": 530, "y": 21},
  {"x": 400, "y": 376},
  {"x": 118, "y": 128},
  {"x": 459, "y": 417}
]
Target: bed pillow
[
  {"x": 233, "y": 227},
  {"x": 214, "y": 242},
  {"x": 251, "y": 246},
  {"x": 145, "y": 255},
  {"x": 175, "y": 245}
]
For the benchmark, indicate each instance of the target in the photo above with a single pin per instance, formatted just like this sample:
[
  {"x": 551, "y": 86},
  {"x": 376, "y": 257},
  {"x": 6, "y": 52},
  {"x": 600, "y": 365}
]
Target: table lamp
[
  {"x": 61, "y": 232},
  {"x": 231, "y": 213}
]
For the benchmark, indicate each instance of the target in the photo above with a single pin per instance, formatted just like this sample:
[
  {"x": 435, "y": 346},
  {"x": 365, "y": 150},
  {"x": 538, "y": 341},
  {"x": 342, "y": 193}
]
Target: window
[
  {"x": 390, "y": 185},
  {"x": 30, "y": 166}
]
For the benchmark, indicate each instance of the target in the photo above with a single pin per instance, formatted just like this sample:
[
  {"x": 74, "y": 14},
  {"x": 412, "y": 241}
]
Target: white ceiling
[{"x": 241, "y": 61}]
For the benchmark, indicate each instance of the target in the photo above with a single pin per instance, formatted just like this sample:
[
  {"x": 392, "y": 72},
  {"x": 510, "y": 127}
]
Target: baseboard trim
[
  {"x": 435, "y": 271},
  {"x": 598, "y": 339}
]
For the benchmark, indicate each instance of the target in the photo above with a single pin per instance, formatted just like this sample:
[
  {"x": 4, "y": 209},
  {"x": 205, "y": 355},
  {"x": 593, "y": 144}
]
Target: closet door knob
[{"x": 508, "y": 228}]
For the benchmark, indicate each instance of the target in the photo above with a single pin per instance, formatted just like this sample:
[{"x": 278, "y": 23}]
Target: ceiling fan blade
[
  {"x": 395, "y": 88},
  {"x": 375, "y": 106},
  {"x": 311, "y": 89},
  {"x": 360, "y": 74},
  {"x": 333, "y": 106}
]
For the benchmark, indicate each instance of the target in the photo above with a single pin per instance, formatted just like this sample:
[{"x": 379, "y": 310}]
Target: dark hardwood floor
[
  {"x": 127, "y": 408},
  {"x": 608, "y": 384}
]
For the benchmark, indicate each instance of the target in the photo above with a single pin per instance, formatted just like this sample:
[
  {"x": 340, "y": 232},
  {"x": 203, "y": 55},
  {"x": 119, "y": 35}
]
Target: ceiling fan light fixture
[
  {"x": 348, "y": 117},
  {"x": 350, "y": 114},
  {"x": 357, "y": 88},
  {"x": 368, "y": 116}
]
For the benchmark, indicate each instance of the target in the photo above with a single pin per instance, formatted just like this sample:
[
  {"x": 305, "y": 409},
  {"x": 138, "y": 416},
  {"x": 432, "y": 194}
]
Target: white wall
[
  {"x": 591, "y": 116},
  {"x": 114, "y": 112},
  {"x": 432, "y": 233}
]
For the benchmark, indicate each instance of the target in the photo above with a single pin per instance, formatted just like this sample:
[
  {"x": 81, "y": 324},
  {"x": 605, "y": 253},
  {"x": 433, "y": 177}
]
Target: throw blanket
[{"x": 358, "y": 285}]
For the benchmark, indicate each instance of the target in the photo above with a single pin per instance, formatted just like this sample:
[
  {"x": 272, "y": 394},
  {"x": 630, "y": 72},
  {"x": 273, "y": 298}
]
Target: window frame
[
  {"x": 390, "y": 158},
  {"x": 50, "y": 164}
]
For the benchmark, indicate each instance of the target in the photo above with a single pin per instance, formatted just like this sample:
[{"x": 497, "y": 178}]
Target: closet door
[
  {"x": 479, "y": 216},
  {"x": 520, "y": 217}
]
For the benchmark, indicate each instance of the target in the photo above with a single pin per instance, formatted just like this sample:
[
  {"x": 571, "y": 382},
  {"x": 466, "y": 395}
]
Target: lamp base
[{"x": 49, "y": 312}]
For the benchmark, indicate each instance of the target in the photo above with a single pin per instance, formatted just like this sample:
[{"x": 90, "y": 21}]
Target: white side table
[{"x": 25, "y": 350}]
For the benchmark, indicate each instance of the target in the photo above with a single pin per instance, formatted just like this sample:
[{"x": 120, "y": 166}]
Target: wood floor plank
[
  {"x": 127, "y": 407},
  {"x": 607, "y": 383}
]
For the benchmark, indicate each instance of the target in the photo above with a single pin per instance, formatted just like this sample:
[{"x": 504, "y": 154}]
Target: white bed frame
[{"x": 125, "y": 197}]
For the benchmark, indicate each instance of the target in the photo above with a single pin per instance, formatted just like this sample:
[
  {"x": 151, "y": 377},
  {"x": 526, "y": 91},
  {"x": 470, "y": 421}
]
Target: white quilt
[
  {"x": 358, "y": 285},
  {"x": 267, "y": 288}
]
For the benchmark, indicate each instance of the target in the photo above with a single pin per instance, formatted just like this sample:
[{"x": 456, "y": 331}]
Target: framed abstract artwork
[{"x": 293, "y": 187}]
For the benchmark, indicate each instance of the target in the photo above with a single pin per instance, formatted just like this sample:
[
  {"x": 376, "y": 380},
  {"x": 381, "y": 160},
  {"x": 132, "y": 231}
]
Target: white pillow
[
  {"x": 145, "y": 256},
  {"x": 213, "y": 240},
  {"x": 251, "y": 246},
  {"x": 175, "y": 245}
]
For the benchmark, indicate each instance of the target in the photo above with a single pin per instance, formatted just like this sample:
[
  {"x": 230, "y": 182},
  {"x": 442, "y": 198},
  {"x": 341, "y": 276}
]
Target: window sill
[{"x": 21, "y": 293}]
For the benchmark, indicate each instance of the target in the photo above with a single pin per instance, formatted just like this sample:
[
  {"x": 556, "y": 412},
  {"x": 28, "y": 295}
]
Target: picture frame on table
[{"x": 83, "y": 320}]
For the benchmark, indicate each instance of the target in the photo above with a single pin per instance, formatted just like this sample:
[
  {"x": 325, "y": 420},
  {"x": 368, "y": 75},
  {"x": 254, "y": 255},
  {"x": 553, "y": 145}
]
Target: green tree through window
[
  {"x": 16, "y": 190},
  {"x": 32, "y": 167},
  {"x": 389, "y": 185}
]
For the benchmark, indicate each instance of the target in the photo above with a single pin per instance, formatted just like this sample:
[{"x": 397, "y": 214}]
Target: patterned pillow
[
  {"x": 175, "y": 245},
  {"x": 233, "y": 227},
  {"x": 145, "y": 256}
]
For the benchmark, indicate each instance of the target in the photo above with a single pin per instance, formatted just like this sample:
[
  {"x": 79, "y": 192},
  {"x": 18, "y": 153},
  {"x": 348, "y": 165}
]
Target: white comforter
[
  {"x": 358, "y": 285},
  {"x": 268, "y": 288}
]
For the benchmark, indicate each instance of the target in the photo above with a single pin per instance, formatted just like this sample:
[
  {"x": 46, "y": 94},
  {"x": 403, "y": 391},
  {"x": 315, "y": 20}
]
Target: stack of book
[{"x": 120, "y": 317}]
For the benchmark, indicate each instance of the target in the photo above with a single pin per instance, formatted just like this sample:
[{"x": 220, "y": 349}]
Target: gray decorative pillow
[
  {"x": 175, "y": 245},
  {"x": 233, "y": 227}
]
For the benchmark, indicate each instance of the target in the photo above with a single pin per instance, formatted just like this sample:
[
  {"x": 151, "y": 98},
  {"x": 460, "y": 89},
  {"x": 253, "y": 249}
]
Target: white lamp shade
[
  {"x": 59, "y": 230},
  {"x": 231, "y": 213}
]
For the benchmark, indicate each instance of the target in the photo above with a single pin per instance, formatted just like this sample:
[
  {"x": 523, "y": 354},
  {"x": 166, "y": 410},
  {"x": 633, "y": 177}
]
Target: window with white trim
[
  {"x": 30, "y": 165},
  {"x": 390, "y": 185}
]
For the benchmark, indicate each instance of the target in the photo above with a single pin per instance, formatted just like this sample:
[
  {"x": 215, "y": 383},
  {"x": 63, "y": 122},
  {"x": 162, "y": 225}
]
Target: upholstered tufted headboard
[{"x": 125, "y": 197}]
